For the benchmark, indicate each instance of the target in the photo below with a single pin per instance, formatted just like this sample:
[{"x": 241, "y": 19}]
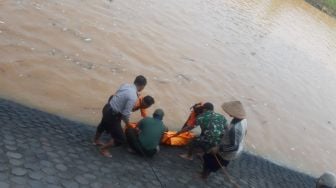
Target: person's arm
[
  {"x": 214, "y": 150},
  {"x": 110, "y": 99},
  {"x": 226, "y": 125},
  {"x": 139, "y": 126},
  {"x": 183, "y": 130},
  {"x": 126, "y": 113},
  {"x": 143, "y": 112},
  {"x": 126, "y": 120},
  {"x": 137, "y": 105},
  {"x": 189, "y": 128},
  {"x": 165, "y": 128},
  {"x": 234, "y": 138}
]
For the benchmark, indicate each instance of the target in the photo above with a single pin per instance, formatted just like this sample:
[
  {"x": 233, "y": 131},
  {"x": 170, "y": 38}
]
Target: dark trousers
[
  {"x": 212, "y": 163},
  {"x": 111, "y": 123},
  {"x": 135, "y": 144}
]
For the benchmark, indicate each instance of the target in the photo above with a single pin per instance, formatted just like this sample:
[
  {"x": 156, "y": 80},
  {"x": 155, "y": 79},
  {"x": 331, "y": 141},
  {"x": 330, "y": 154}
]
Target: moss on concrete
[{"x": 327, "y": 6}]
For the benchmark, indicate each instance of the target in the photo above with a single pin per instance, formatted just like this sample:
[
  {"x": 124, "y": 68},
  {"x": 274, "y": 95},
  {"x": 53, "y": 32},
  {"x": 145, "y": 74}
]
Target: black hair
[
  {"x": 140, "y": 81},
  {"x": 158, "y": 114},
  {"x": 235, "y": 120},
  {"x": 208, "y": 106},
  {"x": 197, "y": 108},
  {"x": 149, "y": 100}
]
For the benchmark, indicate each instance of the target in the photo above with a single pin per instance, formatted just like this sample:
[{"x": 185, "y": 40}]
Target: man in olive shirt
[{"x": 145, "y": 138}]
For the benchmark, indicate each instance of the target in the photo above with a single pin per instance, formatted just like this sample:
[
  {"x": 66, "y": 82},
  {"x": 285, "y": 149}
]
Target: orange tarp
[{"x": 180, "y": 140}]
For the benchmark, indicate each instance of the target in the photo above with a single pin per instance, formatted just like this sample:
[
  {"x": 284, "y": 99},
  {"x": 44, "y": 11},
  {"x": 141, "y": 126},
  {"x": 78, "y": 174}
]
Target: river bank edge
[
  {"x": 247, "y": 150},
  {"x": 40, "y": 149},
  {"x": 86, "y": 125},
  {"x": 327, "y": 6}
]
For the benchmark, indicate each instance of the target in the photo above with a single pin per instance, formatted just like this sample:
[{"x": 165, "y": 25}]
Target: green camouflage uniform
[{"x": 212, "y": 125}]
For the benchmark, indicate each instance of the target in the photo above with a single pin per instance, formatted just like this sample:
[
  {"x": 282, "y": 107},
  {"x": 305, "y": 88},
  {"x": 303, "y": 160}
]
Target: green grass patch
[{"x": 331, "y": 4}]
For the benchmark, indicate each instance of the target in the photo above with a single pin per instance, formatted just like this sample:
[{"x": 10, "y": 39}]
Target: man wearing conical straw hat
[{"x": 232, "y": 142}]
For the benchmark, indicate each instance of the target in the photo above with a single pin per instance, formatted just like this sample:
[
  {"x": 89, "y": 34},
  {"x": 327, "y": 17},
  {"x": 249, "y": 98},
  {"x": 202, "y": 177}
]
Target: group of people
[
  {"x": 219, "y": 141},
  {"x": 142, "y": 137},
  {"x": 218, "y": 144}
]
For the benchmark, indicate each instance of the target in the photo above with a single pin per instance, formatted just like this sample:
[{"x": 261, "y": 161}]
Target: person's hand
[
  {"x": 176, "y": 134},
  {"x": 213, "y": 150},
  {"x": 138, "y": 131},
  {"x": 129, "y": 126}
]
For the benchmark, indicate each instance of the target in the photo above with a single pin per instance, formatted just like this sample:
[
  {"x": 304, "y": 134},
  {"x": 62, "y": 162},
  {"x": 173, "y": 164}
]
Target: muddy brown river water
[{"x": 277, "y": 56}]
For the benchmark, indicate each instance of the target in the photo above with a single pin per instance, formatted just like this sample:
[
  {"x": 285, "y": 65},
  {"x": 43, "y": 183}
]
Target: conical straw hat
[{"x": 235, "y": 109}]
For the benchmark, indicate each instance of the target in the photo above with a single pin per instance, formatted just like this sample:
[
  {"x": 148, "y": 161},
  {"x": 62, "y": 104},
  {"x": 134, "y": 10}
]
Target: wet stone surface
[
  {"x": 4, "y": 185},
  {"x": 38, "y": 149},
  {"x": 19, "y": 171},
  {"x": 16, "y": 162},
  {"x": 36, "y": 175},
  {"x": 14, "y": 155}
]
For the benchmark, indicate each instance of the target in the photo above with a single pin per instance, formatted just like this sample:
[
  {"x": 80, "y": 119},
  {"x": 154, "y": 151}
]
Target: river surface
[{"x": 277, "y": 56}]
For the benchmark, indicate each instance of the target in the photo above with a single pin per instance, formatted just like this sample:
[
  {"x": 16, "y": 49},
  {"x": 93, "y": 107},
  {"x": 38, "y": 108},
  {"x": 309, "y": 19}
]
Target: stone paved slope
[{"x": 38, "y": 149}]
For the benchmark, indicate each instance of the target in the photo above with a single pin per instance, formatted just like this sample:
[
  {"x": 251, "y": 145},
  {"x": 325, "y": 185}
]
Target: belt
[{"x": 113, "y": 112}]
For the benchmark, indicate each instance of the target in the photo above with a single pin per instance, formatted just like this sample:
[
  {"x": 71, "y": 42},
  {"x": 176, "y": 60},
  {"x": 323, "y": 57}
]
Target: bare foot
[
  {"x": 200, "y": 176},
  {"x": 204, "y": 176},
  {"x": 97, "y": 143},
  {"x": 105, "y": 153},
  {"x": 186, "y": 156}
]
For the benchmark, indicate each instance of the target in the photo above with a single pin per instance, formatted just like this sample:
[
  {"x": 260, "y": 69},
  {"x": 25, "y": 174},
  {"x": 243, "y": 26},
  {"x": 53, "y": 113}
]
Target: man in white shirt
[
  {"x": 232, "y": 142},
  {"x": 118, "y": 108}
]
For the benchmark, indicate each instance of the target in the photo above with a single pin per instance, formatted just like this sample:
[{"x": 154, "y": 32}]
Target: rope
[
  {"x": 149, "y": 164},
  {"x": 157, "y": 177},
  {"x": 226, "y": 173},
  {"x": 151, "y": 167}
]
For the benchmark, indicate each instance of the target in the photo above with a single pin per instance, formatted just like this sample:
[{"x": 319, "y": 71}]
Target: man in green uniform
[{"x": 212, "y": 126}]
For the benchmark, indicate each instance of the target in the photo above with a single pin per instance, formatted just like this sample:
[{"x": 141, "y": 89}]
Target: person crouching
[{"x": 145, "y": 137}]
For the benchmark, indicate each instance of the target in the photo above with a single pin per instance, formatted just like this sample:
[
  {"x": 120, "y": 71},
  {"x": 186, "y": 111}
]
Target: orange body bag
[{"x": 180, "y": 140}]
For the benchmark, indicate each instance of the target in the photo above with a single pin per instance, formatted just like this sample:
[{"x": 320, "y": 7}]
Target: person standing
[
  {"x": 232, "y": 142},
  {"x": 118, "y": 108}
]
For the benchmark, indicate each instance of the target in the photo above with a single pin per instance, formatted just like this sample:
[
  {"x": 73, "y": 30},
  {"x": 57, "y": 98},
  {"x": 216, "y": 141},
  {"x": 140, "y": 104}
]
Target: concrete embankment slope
[
  {"x": 38, "y": 149},
  {"x": 327, "y": 6}
]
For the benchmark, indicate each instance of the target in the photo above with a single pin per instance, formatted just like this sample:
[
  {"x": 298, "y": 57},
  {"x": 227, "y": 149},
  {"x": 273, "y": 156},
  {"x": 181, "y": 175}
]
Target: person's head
[
  {"x": 140, "y": 82},
  {"x": 207, "y": 107},
  {"x": 235, "y": 109},
  {"x": 147, "y": 101},
  {"x": 198, "y": 108},
  {"x": 158, "y": 114},
  {"x": 326, "y": 180}
]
